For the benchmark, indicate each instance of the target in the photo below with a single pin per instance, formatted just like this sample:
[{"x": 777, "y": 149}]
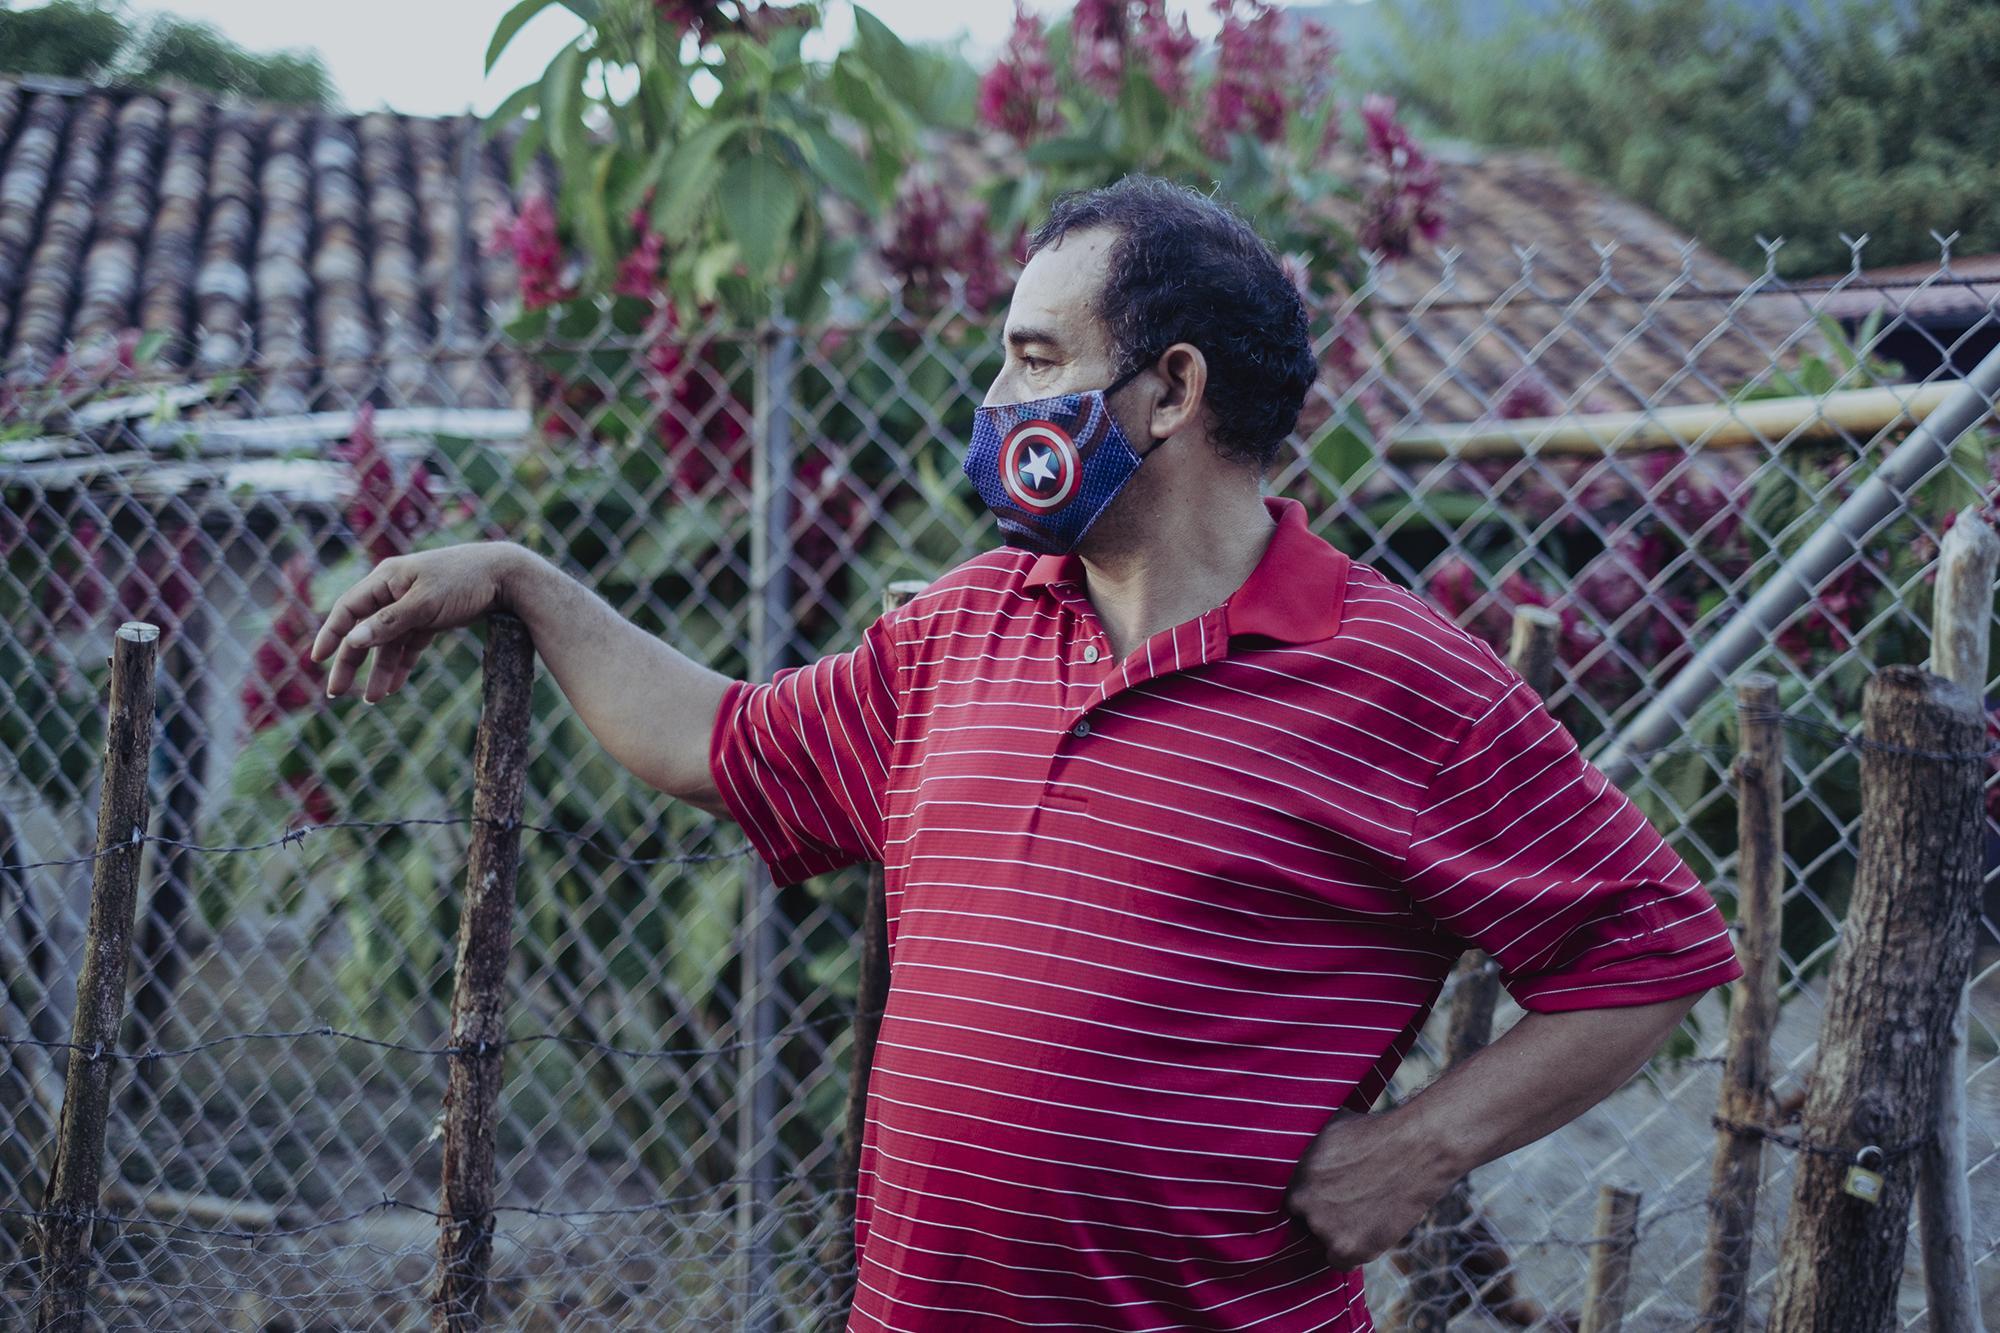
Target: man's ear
[{"x": 1184, "y": 372}]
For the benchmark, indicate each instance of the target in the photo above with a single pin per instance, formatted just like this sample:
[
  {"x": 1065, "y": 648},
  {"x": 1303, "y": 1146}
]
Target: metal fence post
[
  {"x": 757, "y": 1001},
  {"x": 1836, "y": 541},
  {"x": 70, "y": 1204},
  {"x": 479, "y": 980}
]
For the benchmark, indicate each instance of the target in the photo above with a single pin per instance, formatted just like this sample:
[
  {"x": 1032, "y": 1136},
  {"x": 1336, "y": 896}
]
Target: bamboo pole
[
  {"x": 1436, "y": 1259},
  {"x": 1845, "y": 412},
  {"x": 1746, "y": 1069},
  {"x": 71, "y": 1200},
  {"x": 870, "y": 998},
  {"x": 1897, "y": 975},
  {"x": 1961, "y": 628},
  {"x": 478, "y": 994},
  {"x": 1610, "y": 1280}
]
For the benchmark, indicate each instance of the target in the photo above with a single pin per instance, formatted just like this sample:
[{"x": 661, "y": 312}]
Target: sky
[{"x": 424, "y": 56}]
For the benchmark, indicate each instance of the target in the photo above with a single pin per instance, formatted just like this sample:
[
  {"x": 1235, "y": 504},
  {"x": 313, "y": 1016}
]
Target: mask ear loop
[{"x": 1141, "y": 368}]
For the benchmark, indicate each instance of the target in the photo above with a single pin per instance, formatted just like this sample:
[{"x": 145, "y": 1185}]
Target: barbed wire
[
  {"x": 1833, "y": 736},
  {"x": 297, "y": 836},
  {"x": 390, "y": 1203},
  {"x": 97, "y": 1050},
  {"x": 1797, "y": 1143}
]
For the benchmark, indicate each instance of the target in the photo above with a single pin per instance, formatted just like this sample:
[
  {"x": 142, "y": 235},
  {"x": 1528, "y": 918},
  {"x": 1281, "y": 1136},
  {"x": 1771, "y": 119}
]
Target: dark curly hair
[{"x": 1186, "y": 268}]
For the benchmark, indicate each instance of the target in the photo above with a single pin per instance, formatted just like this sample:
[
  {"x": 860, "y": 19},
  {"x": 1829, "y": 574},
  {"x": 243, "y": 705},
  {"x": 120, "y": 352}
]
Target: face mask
[{"x": 1049, "y": 468}]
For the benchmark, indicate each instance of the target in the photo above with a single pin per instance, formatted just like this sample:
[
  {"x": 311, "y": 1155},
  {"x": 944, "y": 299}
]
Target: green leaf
[
  {"x": 760, "y": 201},
  {"x": 1069, "y": 151},
  {"x": 512, "y": 107},
  {"x": 587, "y": 10},
  {"x": 838, "y": 166},
  {"x": 883, "y": 51},
  {"x": 690, "y": 177},
  {"x": 562, "y": 87},
  {"x": 511, "y": 23}
]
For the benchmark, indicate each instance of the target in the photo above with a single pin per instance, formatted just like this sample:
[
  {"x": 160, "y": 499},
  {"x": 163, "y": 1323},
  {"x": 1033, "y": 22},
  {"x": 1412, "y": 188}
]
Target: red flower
[
  {"x": 530, "y": 237},
  {"x": 1253, "y": 66},
  {"x": 1097, "y": 44},
  {"x": 931, "y": 241},
  {"x": 701, "y": 424},
  {"x": 165, "y": 578},
  {"x": 1018, "y": 95},
  {"x": 384, "y": 518},
  {"x": 283, "y": 677},
  {"x": 639, "y": 271},
  {"x": 75, "y": 592},
  {"x": 1406, "y": 200},
  {"x": 1168, "y": 47}
]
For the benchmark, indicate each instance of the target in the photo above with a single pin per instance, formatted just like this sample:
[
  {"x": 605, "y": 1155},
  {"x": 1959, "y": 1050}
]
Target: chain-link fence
[{"x": 1637, "y": 442}]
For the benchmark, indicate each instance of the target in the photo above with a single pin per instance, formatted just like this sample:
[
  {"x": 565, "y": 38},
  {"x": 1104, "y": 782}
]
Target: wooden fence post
[
  {"x": 1897, "y": 975},
  {"x": 478, "y": 993},
  {"x": 1436, "y": 1259},
  {"x": 1746, "y": 1068},
  {"x": 1610, "y": 1278},
  {"x": 871, "y": 994},
  {"x": 70, "y": 1202},
  {"x": 1961, "y": 629}
]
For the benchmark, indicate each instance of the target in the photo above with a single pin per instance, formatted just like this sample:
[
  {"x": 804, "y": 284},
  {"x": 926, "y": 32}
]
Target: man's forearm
[
  {"x": 1541, "y": 1074},
  {"x": 652, "y": 707},
  {"x": 1365, "y": 1180}
]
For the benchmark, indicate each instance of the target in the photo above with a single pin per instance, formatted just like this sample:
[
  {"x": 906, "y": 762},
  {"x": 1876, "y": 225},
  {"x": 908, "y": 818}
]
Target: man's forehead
[{"x": 1056, "y": 295}]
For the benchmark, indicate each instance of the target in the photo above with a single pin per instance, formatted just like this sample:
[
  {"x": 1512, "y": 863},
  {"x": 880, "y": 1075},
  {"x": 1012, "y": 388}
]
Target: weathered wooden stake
[
  {"x": 1441, "y": 1244},
  {"x": 478, "y": 995},
  {"x": 1617, "y": 1236},
  {"x": 1746, "y": 1068},
  {"x": 871, "y": 994},
  {"x": 71, "y": 1199},
  {"x": 1961, "y": 625},
  {"x": 1897, "y": 975}
]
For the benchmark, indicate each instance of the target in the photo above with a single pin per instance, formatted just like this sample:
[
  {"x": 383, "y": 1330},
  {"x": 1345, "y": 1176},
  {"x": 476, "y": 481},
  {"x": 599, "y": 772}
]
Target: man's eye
[{"x": 1034, "y": 362}]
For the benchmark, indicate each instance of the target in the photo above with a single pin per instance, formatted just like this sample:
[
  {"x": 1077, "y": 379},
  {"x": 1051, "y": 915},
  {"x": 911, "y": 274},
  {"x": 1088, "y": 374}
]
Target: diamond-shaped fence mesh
[{"x": 1641, "y": 460}]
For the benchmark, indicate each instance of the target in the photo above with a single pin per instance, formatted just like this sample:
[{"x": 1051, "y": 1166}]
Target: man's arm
[
  {"x": 1365, "y": 1180},
  {"x": 652, "y": 708}
]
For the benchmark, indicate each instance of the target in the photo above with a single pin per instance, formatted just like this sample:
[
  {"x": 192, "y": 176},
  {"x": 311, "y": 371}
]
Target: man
[{"x": 1185, "y": 815}]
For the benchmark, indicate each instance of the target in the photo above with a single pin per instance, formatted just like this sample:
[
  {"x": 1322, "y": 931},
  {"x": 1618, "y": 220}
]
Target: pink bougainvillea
[
  {"x": 1018, "y": 95},
  {"x": 932, "y": 238},
  {"x": 385, "y": 518},
  {"x": 639, "y": 271},
  {"x": 1168, "y": 48},
  {"x": 1252, "y": 67},
  {"x": 1405, "y": 201},
  {"x": 529, "y": 236}
]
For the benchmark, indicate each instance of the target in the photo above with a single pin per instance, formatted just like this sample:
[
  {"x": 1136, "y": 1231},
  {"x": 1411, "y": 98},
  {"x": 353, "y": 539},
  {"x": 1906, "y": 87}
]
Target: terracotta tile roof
[
  {"x": 333, "y": 252},
  {"x": 338, "y": 257},
  {"x": 1967, "y": 291},
  {"x": 1543, "y": 272}
]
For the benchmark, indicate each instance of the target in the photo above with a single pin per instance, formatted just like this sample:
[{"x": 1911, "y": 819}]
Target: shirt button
[
  {"x": 1090, "y": 653},
  {"x": 1080, "y": 730}
]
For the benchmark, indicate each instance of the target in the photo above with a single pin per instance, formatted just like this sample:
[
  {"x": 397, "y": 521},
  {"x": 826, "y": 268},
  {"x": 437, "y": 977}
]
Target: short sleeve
[
  {"x": 1525, "y": 849},
  {"x": 802, "y": 762}
]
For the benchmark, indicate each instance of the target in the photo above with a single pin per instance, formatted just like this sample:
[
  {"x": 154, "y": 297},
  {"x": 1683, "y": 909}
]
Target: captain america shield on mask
[{"x": 1049, "y": 467}]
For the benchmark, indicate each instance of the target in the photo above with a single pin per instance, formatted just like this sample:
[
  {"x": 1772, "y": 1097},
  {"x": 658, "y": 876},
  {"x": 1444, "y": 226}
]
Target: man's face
[{"x": 1055, "y": 342}]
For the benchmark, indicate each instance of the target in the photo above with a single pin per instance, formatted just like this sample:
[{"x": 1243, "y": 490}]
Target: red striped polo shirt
[{"x": 1152, "y": 920}]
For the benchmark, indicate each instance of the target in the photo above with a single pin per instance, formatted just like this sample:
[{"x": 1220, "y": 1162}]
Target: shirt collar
[{"x": 1294, "y": 595}]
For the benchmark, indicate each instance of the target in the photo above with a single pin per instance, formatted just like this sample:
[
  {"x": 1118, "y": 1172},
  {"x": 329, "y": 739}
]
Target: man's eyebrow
[{"x": 1018, "y": 338}]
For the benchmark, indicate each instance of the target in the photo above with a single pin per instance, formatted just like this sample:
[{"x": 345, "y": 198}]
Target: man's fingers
[
  {"x": 412, "y": 647},
  {"x": 363, "y": 599}
]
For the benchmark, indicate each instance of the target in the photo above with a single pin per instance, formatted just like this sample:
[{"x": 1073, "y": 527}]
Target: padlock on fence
[{"x": 1864, "y": 1181}]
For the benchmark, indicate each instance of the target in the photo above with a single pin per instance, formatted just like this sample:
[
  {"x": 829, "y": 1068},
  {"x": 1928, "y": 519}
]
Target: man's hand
[
  {"x": 1362, "y": 1185},
  {"x": 403, "y": 604},
  {"x": 1366, "y": 1180}
]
